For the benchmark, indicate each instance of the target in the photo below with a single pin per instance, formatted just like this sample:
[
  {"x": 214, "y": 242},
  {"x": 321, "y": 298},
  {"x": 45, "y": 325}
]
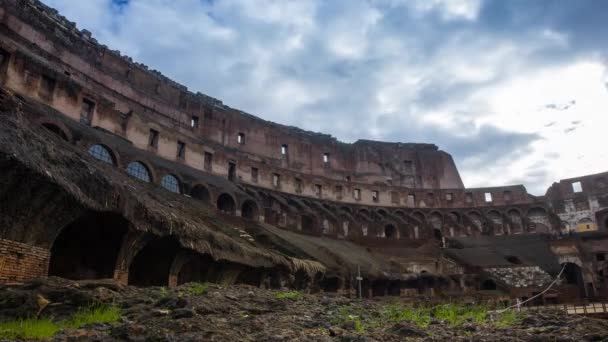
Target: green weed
[
  {"x": 294, "y": 295},
  {"x": 195, "y": 289},
  {"x": 44, "y": 328},
  {"x": 93, "y": 314},
  {"x": 508, "y": 318},
  {"x": 28, "y": 329}
]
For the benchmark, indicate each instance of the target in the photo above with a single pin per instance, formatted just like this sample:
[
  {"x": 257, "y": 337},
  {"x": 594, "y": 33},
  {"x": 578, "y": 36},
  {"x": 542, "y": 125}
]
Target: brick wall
[{"x": 20, "y": 262}]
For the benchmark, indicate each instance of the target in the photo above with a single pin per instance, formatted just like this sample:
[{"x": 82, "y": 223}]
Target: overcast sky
[{"x": 516, "y": 91}]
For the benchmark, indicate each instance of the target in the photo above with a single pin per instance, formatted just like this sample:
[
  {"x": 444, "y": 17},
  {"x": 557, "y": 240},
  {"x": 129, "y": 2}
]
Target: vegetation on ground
[
  {"x": 45, "y": 327},
  {"x": 293, "y": 295},
  {"x": 194, "y": 289},
  {"x": 452, "y": 314}
]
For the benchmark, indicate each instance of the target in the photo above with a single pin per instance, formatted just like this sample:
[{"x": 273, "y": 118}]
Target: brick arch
[
  {"x": 161, "y": 253},
  {"x": 497, "y": 221},
  {"x": 56, "y": 127},
  {"x": 88, "y": 247},
  {"x": 515, "y": 220},
  {"x": 202, "y": 192},
  {"x": 250, "y": 209},
  {"x": 226, "y": 202},
  {"x": 475, "y": 222},
  {"x": 537, "y": 219},
  {"x": 382, "y": 212}
]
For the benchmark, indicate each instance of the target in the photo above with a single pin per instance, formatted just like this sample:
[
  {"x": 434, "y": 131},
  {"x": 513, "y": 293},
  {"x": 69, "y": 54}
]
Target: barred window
[
  {"x": 101, "y": 153},
  {"x": 171, "y": 183},
  {"x": 139, "y": 171}
]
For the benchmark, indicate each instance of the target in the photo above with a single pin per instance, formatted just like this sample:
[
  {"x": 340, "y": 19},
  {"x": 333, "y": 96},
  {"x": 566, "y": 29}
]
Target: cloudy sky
[{"x": 516, "y": 91}]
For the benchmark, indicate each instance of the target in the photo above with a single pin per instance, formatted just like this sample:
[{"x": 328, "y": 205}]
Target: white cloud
[{"x": 498, "y": 98}]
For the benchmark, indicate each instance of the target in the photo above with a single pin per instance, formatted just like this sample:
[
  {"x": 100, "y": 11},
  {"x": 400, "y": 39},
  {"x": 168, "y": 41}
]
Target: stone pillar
[{"x": 132, "y": 243}]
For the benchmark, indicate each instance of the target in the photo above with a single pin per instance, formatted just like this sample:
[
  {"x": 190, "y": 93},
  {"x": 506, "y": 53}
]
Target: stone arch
[
  {"x": 191, "y": 267},
  {"x": 103, "y": 153},
  {"x": 58, "y": 129},
  {"x": 455, "y": 216},
  {"x": 250, "y": 210},
  {"x": 538, "y": 220},
  {"x": 88, "y": 247},
  {"x": 573, "y": 276},
  {"x": 308, "y": 223},
  {"x": 391, "y": 232},
  {"x": 140, "y": 170},
  {"x": 172, "y": 183},
  {"x": 346, "y": 210},
  {"x": 516, "y": 221},
  {"x": 201, "y": 193},
  {"x": 436, "y": 220},
  {"x": 331, "y": 284},
  {"x": 226, "y": 203},
  {"x": 383, "y": 213},
  {"x": 419, "y": 216},
  {"x": 497, "y": 221},
  {"x": 151, "y": 266},
  {"x": 476, "y": 221}
]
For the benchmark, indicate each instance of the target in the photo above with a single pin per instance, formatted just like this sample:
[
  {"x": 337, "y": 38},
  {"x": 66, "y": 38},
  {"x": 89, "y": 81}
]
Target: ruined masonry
[{"x": 109, "y": 170}]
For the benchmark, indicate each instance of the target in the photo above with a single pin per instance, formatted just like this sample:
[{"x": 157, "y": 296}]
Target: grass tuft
[
  {"x": 93, "y": 314},
  {"x": 508, "y": 318},
  {"x": 294, "y": 295},
  {"x": 28, "y": 329},
  {"x": 194, "y": 289},
  {"x": 45, "y": 328}
]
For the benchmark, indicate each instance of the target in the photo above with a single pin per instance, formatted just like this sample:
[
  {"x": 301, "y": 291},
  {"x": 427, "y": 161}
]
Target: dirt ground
[{"x": 212, "y": 312}]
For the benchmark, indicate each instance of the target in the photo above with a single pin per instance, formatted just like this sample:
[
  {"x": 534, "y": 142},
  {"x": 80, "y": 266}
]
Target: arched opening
[
  {"x": 379, "y": 288},
  {"x": 390, "y": 232},
  {"x": 88, "y": 247},
  {"x": 394, "y": 288},
  {"x": 171, "y": 183},
  {"x": 516, "y": 221},
  {"x": 572, "y": 274},
  {"x": 102, "y": 153},
  {"x": 330, "y": 284},
  {"x": 308, "y": 223},
  {"x": 437, "y": 234},
  {"x": 139, "y": 171},
  {"x": 195, "y": 269},
  {"x": 226, "y": 204},
  {"x": 249, "y": 210},
  {"x": 250, "y": 276},
  {"x": 56, "y": 130},
  {"x": 488, "y": 285},
  {"x": 200, "y": 193},
  {"x": 152, "y": 264}
]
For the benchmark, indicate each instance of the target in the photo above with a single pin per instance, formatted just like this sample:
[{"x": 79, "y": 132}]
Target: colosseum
[{"x": 112, "y": 171}]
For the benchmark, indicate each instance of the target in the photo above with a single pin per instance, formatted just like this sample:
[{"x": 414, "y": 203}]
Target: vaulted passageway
[
  {"x": 88, "y": 247},
  {"x": 151, "y": 266}
]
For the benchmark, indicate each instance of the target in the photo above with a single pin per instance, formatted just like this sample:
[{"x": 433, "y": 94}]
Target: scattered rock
[
  {"x": 407, "y": 330},
  {"x": 183, "y": 313}
]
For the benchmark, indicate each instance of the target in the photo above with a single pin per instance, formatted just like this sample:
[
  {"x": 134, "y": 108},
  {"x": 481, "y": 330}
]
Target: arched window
[
  {"x": 100, "y": 152},
  {"x": 56, "y": 130},
  {"x": 171, "y": 183},
  {"x": 139, "y": 171}
]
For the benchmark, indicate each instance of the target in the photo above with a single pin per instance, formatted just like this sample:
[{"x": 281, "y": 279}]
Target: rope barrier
[{"x": 536, "y": 295}]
